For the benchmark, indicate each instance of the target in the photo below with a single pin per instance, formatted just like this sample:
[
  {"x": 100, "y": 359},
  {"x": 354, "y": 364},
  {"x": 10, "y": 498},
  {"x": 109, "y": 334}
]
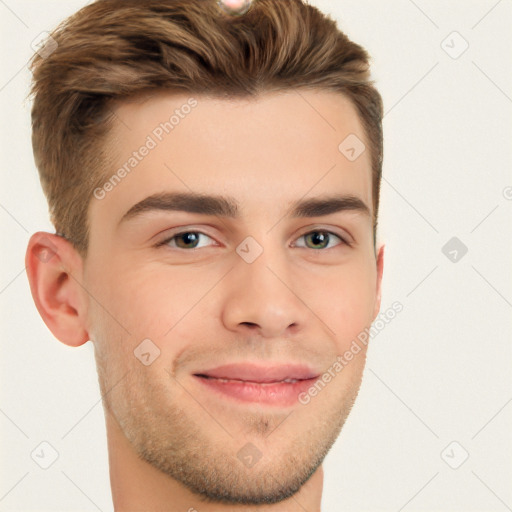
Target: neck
[{"x": 138, "y": 486}]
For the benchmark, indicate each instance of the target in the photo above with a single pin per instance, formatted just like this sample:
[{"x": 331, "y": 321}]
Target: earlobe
[
  {"x": 53, "y": 268},
  {"x": 380, "y": 271}
]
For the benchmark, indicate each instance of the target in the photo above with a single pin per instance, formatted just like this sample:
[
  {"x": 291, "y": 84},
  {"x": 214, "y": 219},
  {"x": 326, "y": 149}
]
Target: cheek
[
  {"x": 348, "y": 303},
  {"x": 155, "y": 302}
]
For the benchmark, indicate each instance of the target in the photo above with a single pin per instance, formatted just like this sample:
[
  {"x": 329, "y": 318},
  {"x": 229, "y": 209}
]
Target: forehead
[{"x": 266, "y": 151}]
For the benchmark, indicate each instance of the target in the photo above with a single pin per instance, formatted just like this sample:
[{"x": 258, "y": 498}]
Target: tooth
[{"x": 288, "y": 381}]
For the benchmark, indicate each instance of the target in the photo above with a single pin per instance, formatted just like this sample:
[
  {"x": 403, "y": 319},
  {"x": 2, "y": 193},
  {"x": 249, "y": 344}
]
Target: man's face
[{"x": 279, "y": 305}]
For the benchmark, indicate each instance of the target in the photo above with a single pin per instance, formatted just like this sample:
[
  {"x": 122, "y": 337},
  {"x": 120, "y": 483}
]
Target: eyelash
[{"x": 176, "y": 235}]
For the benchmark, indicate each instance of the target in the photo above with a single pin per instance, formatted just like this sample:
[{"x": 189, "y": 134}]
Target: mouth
[{"x": 269, "y": 385}]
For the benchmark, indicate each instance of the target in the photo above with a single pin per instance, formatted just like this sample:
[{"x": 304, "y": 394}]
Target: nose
[{"x": 259, "y": 298}]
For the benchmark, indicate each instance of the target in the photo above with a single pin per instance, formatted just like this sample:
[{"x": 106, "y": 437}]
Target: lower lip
[{"x": 282, "y": 394}]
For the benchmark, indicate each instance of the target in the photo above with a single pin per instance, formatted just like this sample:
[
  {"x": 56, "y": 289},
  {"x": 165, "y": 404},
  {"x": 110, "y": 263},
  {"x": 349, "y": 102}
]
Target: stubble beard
[{"x": 201, "y": 453}]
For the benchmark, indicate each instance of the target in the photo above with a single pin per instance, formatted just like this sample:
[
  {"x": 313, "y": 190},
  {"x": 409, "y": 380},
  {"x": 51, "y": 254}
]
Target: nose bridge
[{"x": 260, "y": 294}]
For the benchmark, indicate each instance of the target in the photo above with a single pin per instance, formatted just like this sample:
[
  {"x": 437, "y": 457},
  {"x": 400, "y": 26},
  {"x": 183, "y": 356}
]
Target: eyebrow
[{"x": 223, "y": 206}]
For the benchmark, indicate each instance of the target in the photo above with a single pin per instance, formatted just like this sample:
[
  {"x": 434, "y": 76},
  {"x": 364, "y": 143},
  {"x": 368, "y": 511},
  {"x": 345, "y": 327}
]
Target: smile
[{"x": 275, "y": 386}]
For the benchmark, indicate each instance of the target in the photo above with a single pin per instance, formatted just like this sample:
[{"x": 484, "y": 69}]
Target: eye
[
  {"x": 184, "y": 240},
  {"x": 321, "y": 240},
  {"x": 317, "y": 239}
]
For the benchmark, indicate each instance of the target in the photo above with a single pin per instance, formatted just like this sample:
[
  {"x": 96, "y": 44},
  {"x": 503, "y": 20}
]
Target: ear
[
  {"x": 380, "y": 270},
  {"x": 54, "y": 270}
]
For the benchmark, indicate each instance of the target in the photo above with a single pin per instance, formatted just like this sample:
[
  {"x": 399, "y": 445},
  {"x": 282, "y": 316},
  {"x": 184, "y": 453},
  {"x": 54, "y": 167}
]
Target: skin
[{"x": 170, "y": 439}]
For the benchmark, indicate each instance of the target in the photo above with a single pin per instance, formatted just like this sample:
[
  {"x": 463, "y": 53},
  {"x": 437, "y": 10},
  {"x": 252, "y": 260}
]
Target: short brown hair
[{"x": 114, "y": 49}]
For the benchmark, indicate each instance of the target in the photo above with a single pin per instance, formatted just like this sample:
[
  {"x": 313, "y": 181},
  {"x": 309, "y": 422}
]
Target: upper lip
[{"x": 259, "y": 373}]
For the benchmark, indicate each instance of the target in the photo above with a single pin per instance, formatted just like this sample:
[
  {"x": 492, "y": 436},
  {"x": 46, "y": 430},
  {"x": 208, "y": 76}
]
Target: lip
[
  {"x": 272, "y": 385},
  {"x": 259, "y": 373}
]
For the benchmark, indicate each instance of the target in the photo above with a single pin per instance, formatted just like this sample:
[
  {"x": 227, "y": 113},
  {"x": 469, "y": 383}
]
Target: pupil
[
  {"x": 318, "y": 238},
  {"x": 189, "y": 238}
]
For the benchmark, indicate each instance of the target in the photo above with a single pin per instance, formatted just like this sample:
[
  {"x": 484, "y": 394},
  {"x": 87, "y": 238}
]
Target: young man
[{"x": 213, "y": 176}]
